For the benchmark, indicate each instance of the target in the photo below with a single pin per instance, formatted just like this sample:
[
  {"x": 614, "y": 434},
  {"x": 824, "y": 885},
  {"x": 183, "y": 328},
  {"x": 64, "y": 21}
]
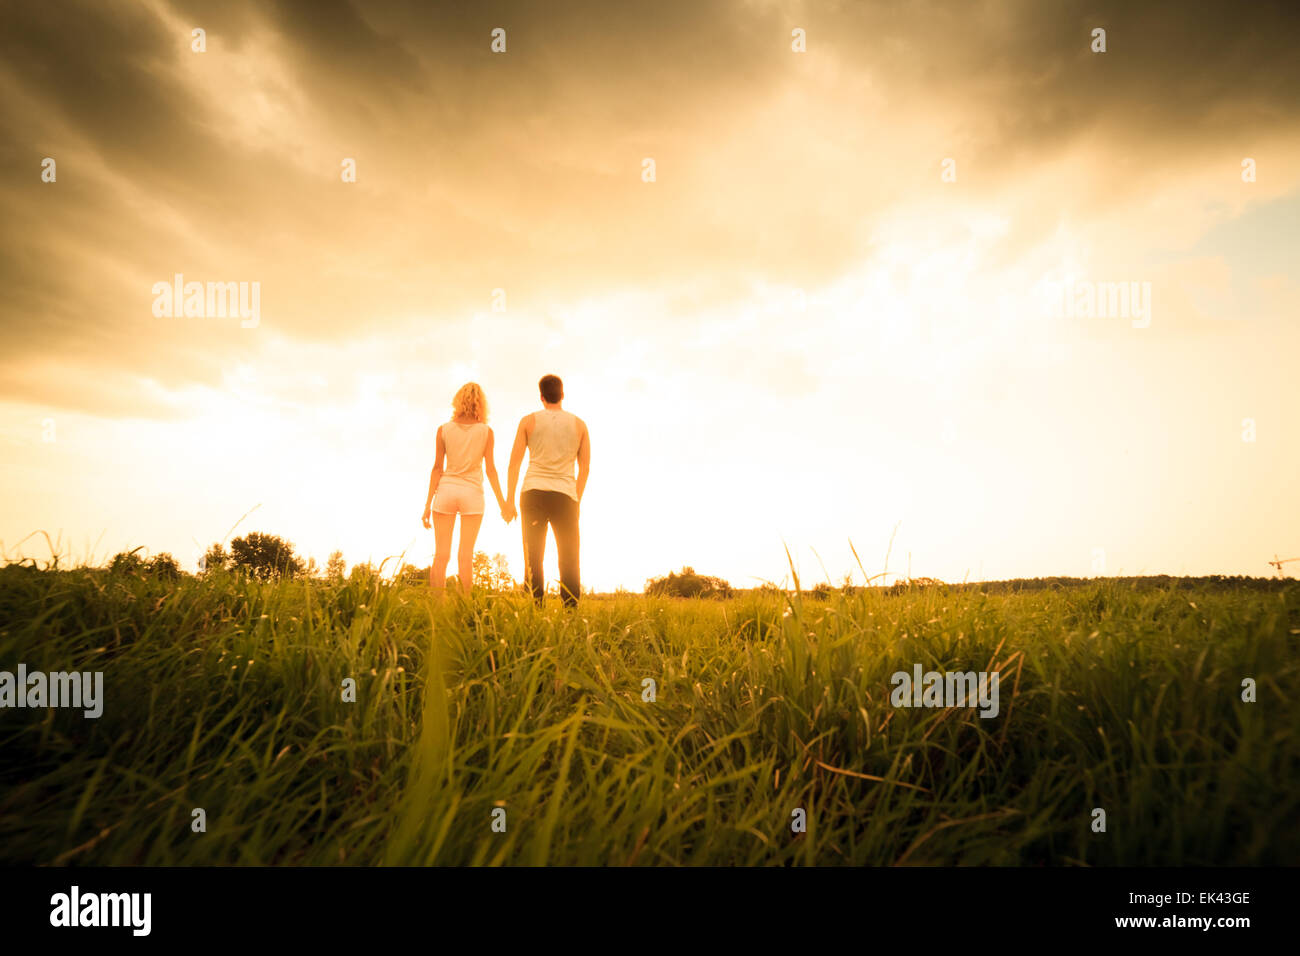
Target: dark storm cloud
[
  {"x": 477, "y": 170},
  {"x": 1172, "y": 71}
]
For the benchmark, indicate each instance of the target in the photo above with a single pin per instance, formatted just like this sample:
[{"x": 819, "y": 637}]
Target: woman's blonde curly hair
[{"x": 471, "y": 402}]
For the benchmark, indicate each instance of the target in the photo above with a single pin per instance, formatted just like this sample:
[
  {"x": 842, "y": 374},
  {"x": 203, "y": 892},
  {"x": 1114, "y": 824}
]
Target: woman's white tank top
[
  {"x": 553, "y": 452},
  {"x": 465, "y": 445}
]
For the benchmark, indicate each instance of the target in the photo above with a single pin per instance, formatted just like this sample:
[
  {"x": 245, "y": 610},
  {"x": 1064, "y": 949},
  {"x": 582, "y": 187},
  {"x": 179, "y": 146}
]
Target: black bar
[{"x": 926, "y": 907}]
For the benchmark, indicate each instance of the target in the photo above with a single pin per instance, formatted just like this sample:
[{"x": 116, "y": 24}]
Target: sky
[{"x": 814, "y": 274}]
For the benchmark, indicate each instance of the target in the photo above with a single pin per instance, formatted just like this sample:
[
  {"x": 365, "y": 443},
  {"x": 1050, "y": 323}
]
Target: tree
[
  {"x": 503, "y": 580},
  {"x": 688, "y": 584},
  {"x": 335, "y": 567},
  {"x": 161, "y": 565},
  {"x": 215, "y": 558},
  {"x": 492, "y": 574},
  {"x": 482, "y": 570},
  {"x": 164, "y": 566},
  {"x": 410, "y": 574},
  {"x": 265, "y": 556},
  {"x": 900, "y": 587},
  {"x": 363, "y": 573},
  {"x": 127, "y": 562}
]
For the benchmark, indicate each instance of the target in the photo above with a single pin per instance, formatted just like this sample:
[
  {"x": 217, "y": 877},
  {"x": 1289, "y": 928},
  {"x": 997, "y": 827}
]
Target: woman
[{"x": 464, "y": 443}]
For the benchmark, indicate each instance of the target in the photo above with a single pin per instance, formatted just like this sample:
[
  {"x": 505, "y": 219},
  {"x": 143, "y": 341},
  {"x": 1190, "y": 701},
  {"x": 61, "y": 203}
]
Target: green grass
[{"x": 225, "y": 694}]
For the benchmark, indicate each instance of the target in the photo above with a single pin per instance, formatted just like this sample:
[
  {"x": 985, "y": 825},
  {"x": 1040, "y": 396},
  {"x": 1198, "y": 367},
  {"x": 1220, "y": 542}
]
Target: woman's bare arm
[
  {"x": 489, "y": 461},
  {"x": 434, "y": 476}
]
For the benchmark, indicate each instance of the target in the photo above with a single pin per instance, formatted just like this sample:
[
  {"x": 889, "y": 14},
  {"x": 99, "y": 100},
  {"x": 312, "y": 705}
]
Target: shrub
[
  {"x": 410, "y": 574},
  {"x": 216, "y": 558},
  {"x": 688, "y": 583},
  {"x": 265, "y": 556},
  {"x": 164, "y": 566},
  {"x": 492, "y": 574},
  {"x": 127, "y": 562},
  {"x": 363, "y": 573},
  {"x": 899, "y": 587}
]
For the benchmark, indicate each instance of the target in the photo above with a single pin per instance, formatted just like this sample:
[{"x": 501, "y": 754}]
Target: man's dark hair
[{"x": 552, "y": 388}]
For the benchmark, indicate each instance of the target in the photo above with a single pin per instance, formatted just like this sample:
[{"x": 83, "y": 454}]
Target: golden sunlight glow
[{"x": 798, "y": 334}]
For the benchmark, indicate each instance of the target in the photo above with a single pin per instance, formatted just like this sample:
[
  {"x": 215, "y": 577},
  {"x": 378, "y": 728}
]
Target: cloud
[{"x": 521, "y": 171}]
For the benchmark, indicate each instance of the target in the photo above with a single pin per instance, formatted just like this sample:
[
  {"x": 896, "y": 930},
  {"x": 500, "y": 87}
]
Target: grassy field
[{"x": 226, "y": 694}]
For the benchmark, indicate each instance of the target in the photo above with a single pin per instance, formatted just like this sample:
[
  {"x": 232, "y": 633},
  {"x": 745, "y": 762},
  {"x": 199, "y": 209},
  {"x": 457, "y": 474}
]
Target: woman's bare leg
[
  {"x": 469, "y": 525},
  {"x": 442, "y": 527}
]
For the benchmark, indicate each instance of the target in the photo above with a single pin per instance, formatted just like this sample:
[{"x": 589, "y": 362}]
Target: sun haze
[{"x": 1019, "y": 289}]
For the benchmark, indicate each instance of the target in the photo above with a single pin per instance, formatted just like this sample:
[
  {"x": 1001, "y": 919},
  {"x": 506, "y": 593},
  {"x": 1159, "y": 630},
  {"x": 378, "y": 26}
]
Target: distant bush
[
  {"x": 363, "y": 573},
  {"x": 898, "y": 587},
  {"x": 215, "y": 558},
  {"x": 410, "y": 574},
  {"x": 164, "y": 566},
  {"x": 492, "y": 573},
  {"x": 265, "y": 556},
  {"x": 687, "y": 583},
  {"x": 127, "y": 562},
  {"x": 161, "y": 565}
]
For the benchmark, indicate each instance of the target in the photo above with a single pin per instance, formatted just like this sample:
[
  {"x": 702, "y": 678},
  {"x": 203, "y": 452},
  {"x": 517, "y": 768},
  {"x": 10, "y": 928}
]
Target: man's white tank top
[
  {"x": 465, "y": 445},
  {"x": 553, "y": 452}
]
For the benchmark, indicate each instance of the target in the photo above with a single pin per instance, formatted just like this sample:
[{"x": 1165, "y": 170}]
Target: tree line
[{"x": 269, "y": 557}]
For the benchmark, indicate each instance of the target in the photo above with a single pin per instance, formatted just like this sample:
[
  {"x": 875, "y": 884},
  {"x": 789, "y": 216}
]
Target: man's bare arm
[
  {"x": 516, "y": 459},
  {"x": 584, "y": 459}
]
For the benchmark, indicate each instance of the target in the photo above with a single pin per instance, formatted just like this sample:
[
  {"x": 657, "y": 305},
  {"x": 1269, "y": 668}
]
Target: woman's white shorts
[{"x": 457, "y": 497}]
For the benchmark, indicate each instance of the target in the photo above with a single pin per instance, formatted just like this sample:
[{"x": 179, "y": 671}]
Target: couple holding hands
[{"x": 555, "y": 440}]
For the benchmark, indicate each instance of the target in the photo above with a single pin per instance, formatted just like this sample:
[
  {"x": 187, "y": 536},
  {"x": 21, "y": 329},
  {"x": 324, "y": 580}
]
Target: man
[{"x": 555, "y": 440}]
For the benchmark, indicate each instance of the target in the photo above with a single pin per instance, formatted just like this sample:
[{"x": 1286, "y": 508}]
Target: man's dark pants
[{"x": 540, "y": 509}]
